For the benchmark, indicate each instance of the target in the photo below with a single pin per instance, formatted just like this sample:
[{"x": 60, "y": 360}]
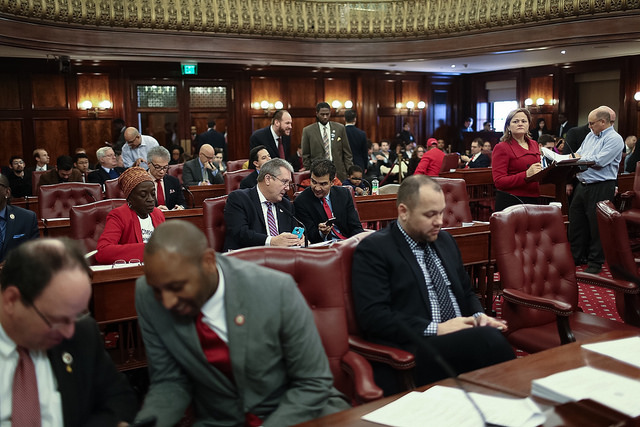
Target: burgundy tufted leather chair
[
  {"x": 632, "y": 215},
  {"x": 213, "y": 218},
  {"x": 450, "y": 161},
  {"x": 539, "y": 280},
  {"x": 35, "y": 179},
  {"x": 400, "y": 360},
  {"x": 87, "y": 221},
  {"x": 176, "y": 171},
  {"x": 620, "y": 259},
  {"x": 320, "y": 275},
  {"x": 298, "y": 177},
  {"x": 232, "y": 179},
  {"x": 457, "y": 208},
  {"x": 56, "y": 200},
  {"x": 235, "y": 165},
  {"x": 112, "y": 189}
]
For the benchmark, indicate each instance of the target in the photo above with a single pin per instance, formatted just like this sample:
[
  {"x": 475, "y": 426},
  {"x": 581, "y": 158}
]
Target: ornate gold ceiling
[{"x": 409, "y": 19}]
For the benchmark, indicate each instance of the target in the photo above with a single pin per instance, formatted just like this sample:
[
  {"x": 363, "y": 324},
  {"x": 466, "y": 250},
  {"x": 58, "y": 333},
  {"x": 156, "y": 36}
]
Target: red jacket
[
  {"x": 509, "y": 168},
  {"x": 122, "y": 235},
  {"x": 430, "y": 163}
]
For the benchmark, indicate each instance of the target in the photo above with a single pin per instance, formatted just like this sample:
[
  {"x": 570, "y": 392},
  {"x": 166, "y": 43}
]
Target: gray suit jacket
[
  {"x": 312, "y": 147},
  {"x": 192, "y": 174},
  {"x": 280, "y": 369}
]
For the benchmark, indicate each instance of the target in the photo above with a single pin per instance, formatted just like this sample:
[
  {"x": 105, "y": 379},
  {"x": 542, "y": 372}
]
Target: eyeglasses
[
  {"x": 62, "y": 324},
  {"x": 158, "y": 167},
  {"x": 208, "y": 157},
  {"x": 134, "y": 138},
  {"x": 285, "y": 182},
  {"x": 593, "y": 123}
]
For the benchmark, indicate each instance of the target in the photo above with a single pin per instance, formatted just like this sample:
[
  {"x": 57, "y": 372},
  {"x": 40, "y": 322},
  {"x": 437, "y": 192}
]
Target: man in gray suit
[
  {"x": 212, "y": 341},
  {"x": 201, "y": 170},
  {"x": 326, "y": 140}
]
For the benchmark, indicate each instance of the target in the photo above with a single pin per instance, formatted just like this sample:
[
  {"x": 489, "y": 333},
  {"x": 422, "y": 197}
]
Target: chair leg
[{"x": 564, "y": 329}]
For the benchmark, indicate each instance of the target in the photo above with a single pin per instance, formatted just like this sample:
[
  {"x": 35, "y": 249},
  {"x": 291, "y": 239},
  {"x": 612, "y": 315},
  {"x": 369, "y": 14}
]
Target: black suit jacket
[
  {"x": 483, "y": 161},
  {"x": 264, "y": 137},
  {"x": 250, "y": 180},
  {"x": 213, "y": 138},
  {"x": 99, "y": 176},
  {"x": 358, "y": 144},
  {"x": 22, "y": 225},
  {"x": 309, "y": 210},
  {"x": 389, "y": 286},
  {"x": 93, "y": 392},
  {"x": 245, "y": 224},
  {"x": 172, "y": 192}
]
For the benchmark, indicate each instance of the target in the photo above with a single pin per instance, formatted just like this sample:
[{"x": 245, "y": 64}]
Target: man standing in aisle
[
  {"x": 276, "y": 137},
  {"x": 134, "y": 153}
]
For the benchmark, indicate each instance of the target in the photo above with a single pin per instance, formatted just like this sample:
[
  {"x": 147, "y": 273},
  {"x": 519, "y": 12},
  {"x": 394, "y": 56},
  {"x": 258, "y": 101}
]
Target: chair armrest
[
  {"x": 604, "y": 282},
  {"x": 559, "y": 308},
  {"x": 628, "y": 195},
  {"x": 396, "y": 358},
  {"x": 360, "y": 371}
]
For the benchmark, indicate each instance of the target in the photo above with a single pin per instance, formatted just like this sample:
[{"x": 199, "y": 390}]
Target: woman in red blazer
[
  {"x": 130, "y": 226},
  {"x": 516, "y": 158}
]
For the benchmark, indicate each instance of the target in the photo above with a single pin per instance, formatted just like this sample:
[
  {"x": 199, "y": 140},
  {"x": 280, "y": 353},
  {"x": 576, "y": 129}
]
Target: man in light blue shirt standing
[{"x": 603, "y": 146}]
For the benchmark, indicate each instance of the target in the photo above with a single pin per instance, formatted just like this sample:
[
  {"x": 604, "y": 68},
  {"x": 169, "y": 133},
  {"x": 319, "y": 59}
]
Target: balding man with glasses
[
  {"x": 262, "y": 216},
  {"x": 55, "y": 370}
]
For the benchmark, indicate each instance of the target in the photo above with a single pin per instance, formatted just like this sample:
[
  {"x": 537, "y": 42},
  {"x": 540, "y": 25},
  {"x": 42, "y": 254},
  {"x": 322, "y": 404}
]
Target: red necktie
[
  {"x": 159, "y": 192},
  {"x": 25, "y": 409},
  {"x": 280, "y": 148},
  {"x": 327, "y": 210}
]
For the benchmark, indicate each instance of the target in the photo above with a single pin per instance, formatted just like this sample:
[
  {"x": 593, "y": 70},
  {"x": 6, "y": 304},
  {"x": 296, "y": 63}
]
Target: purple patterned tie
[{"x": 271, "y": 220}]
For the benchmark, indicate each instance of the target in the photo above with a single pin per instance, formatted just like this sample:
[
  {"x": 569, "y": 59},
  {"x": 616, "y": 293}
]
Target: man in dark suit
[
  {"x": 259, "y": 216},
  {"x": 276, "y": 137},
  {"x": 51, "y": 344},
  {"x": 63, "y": 172},
  {"x": 107, "y": 169},
  {"x": 17, "y": 225},
  {"x": 357, "y": 139},
  {"x": 257, "y": 157},
  {"x": 201, "y": 170},
  {"x": 326, "y": 140},
  {"x": 477, "y": 159},
  {"x": 168, "y": 189},
  {"x": 321, "y": 201},
  {"x": 213, "y": 138},
  {"x": 411, "y": 291},
  {"x": 564, "y": 125}
]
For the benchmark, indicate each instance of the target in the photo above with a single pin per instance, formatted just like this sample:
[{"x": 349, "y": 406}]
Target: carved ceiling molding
[{"x": 311, "y": 19}]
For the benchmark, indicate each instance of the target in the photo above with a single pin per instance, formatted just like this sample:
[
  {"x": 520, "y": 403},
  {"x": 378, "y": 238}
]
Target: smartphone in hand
[{"x": 298, "y": 231}]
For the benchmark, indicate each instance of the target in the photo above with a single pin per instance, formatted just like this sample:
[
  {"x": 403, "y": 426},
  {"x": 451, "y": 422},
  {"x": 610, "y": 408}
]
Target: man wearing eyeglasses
[
  {"x": 201, "y": 170},
  {"x": 260, "y": 216},
  {"x": 134, "y": 152},
  {"x": 168, "y": 190},
  {"x": 17, "y": 225},
  {"x": 19, "y": 180},
  {"x": 108, "y": 168},
  {"x": 55, "y": 370},
  {"x": 322, "y": 201}
]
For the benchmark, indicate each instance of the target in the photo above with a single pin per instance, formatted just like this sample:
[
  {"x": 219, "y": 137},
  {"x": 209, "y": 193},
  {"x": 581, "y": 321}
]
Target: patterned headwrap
[{"x": 132, "y": 177}]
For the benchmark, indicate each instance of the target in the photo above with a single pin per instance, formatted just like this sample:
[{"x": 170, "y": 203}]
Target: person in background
[
  {"x": 107, "y": 169},
  {"x": 414, "y": 161},
  {"x": 134, "y": 153},
  {"x": 201, "y": 170},
  {"x": 19, "y": 180},
  {"x": 168, "y": 189},
  {"x": 431, "y": 161},
  {"x": 42, "y": 159},
  {"x": 17, "y": 225},
  {"x": 258, "y": 156},
  {"x": 81, "y": 162},
  {"x": 357, "y": 139},
  {"x": 355, "y": 180},
  {"x": 477, "y": 158},
  {"x": 218, "y": 160},
  {"x": 63, "y": 172},
  {"x": 177, "y": 155},
  {"x": 540, "y": 129}
]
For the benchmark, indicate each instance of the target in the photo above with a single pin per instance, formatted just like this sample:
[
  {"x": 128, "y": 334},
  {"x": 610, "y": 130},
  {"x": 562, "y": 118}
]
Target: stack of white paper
[
  {"x": 441, "y": 406},
  {"x": 626, "y": 350}
]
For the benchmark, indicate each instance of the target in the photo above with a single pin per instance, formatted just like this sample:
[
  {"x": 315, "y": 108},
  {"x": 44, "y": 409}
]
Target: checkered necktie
[
  {"x": 271, "y": 220},
  {"x": 444, "y": 300},
  {"x": 325, "y": 142}
]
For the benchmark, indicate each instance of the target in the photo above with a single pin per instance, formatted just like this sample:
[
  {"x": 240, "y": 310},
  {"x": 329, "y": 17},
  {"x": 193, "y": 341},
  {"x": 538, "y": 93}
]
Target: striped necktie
[
  {"x": 325, "y": 142},
  {"x": 271, "y": 220}
]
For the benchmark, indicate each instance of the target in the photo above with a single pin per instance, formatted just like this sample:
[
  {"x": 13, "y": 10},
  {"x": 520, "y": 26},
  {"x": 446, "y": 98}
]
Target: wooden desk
[
  {"x": 201, "y": 192},
  {"x": 511, "y": 378},
  {"x": 379, "y": 208}
]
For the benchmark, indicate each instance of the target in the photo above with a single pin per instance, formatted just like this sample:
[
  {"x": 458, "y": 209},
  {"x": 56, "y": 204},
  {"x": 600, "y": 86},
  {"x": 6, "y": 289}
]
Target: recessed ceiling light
[{"x": 563, "y": 52}]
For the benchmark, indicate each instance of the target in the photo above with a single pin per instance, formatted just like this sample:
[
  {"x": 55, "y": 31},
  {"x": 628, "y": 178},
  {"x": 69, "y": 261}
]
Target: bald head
[
  {"x": 132, "y": 137},
  {"x": 612, "y": 114},
  {"x": 178, "y": 237},
  {"x": 206, "y": 154}
]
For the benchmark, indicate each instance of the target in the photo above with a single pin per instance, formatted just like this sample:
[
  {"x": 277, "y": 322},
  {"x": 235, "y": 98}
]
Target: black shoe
[{"x": 593, "y": 269}]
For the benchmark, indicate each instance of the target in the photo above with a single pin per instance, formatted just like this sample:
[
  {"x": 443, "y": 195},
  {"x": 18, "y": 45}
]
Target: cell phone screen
[{"x": 330, "y": 221}]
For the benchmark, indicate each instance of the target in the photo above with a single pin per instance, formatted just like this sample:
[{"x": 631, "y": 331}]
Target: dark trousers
[{"x": 583, "y": 224}]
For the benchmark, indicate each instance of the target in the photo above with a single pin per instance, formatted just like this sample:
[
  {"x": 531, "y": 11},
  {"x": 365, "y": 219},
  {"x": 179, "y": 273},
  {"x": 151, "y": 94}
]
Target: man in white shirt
[
  {"x": 134, "y": 153},
  {"x": 55, "y": 370},
  {"x": 42, "y": 159}
]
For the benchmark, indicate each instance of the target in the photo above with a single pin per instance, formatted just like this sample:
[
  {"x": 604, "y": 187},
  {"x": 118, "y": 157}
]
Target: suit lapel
[
  {"x": 9, "y": 230},
  {"x": 255, "y": 202},
  {"x": 67, "y": 385}
]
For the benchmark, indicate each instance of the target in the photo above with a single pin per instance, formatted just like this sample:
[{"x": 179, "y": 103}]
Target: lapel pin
[
  {"x": 240, "y": 320},
  {"x": 68, "y": 360},
  {"x": 12, "y": 216}
]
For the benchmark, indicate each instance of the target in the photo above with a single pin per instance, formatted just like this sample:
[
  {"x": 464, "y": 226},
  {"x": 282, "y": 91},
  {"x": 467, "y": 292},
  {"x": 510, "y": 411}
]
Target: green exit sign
[{"x": 189, "y": 69}]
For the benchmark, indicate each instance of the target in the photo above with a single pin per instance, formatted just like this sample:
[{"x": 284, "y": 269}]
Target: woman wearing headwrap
[{"x": 130, "y": 226}]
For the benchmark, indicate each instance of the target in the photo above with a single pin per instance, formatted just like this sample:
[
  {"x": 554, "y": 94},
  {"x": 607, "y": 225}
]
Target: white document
[
  {"x": 449, "y": 406},
  {"x": 612, "y": 390},
  {"x": 555, "y": 157},
  {"x": 626, "y": 350}
]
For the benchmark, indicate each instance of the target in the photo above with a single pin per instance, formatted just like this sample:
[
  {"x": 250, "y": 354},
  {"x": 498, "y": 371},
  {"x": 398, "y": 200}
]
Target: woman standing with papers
[{"x": 515, "y": 159}]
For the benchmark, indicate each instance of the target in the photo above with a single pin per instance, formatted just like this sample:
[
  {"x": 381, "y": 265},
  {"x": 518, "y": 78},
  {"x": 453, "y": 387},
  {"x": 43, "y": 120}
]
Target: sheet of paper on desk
[
  {"x": 441, "y": 406},
  {"x": 626, "y": 350},
  {"x": 612, "y": 390}
]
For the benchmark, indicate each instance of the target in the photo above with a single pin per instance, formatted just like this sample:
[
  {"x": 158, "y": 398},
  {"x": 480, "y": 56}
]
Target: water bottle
[{"x": 374, "y": 186}]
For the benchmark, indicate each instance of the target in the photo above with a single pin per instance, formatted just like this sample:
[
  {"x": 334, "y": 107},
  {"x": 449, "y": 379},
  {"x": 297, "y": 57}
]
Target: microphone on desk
[
  {"x": 306, "y": 238},
  {"x": 186, "y": 188}
]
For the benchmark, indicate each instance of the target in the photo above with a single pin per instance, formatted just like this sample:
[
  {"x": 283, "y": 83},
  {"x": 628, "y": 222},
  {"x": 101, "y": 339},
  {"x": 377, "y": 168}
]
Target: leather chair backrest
[
  {"x": 456, "y": 198},
  {"x": 112, "y": 189},
  {"x": 534, "y": 256},
  {"x": 450, "y": 161},
  {"x": 320, "y": 275},
  {"x": 87, "y": 221},
  {"x": 55, "y": 200},
  {"x": 35, "y": 179},
  {"x": 635, "y": 202},
  {"x": 389, "y": 189},
  {"x": 298, "y": 177},
  {"x": 232, "y": 179},
  {"x": 234, "y": 165},
  {"x": 176, "y": 171},
  {"x": 213, "y": 218}
]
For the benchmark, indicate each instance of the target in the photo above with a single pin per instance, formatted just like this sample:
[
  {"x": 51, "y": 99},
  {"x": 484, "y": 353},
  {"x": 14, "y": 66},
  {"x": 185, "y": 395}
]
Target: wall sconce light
[
  {"x": 337, "y": 105},
  {"x": 94, "y": 111},
  {"x": 540, "y": 101},
  {"x": 268, "y": 107},
  {"x": 410, "y": 105},
  {"x": 637, "y": 96},
  {"x": 528, "y": 102}
]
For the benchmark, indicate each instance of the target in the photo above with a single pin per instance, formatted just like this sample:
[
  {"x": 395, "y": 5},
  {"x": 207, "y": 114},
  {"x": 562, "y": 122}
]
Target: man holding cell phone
[{"x": 327, "y": 211}]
